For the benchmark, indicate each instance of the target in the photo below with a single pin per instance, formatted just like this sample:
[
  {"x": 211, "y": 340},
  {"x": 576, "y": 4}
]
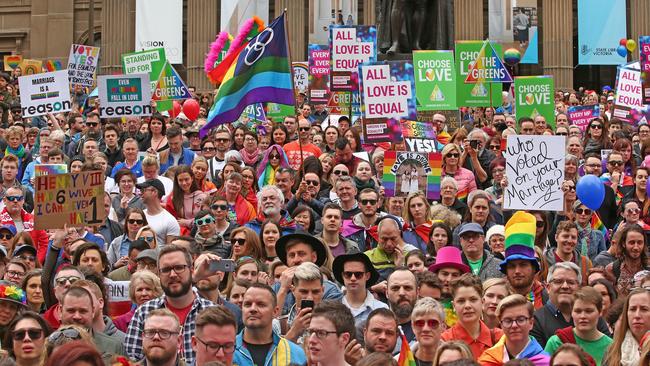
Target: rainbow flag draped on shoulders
[
  {"x": 406, "y": 357},
  {"x": 258, "y": 71}
]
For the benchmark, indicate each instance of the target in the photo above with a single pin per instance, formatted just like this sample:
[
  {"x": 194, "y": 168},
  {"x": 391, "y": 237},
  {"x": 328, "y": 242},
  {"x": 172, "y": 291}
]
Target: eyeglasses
[
  {"x": 596, "y": 127},
  {"x": 340, "y": 172},
  {"x": 33, "y": 333},
  {"x": 14, "y": 198},
  {"x": 305, "y": 128},
  {"x": 6, "y": 236},
  {"x": 219, "y": 207},
  {"x": 204, "y": 221},
  {"x": 178, "y": 269},
  {"x": 135, "y": 221},
  {"x": 633, "y": 211},
  {"x": 540, "y": 224},
  {"x": 209, "y": 149},
  {"x": 560, "y": 282},
  {"x": 561, "y": 134},
  {"x": 29, "y": 258},
  {"x": 238, "y": 241},
  {"x": 213, "y": 347},
  {"x": 357, "y": 275},
  {"x": 615, "y": 162},
  {"x": 313, "y": 183},
  {"x": 62, "y": 280},
  {"x": 222, "y": 140},
  {"x": 15, "y": 274},
  {"x": 520, "y": 321},
  {"x": 320, "y": 334},
  {"x": 432, "y": 323},
  {"x": 453, "y": 155},
  {"x": 369, "y": 202},
  {"x": 583, "y": 211},
  {"x": 67, "y": 333},
  {"x": 162, "y": 333}
]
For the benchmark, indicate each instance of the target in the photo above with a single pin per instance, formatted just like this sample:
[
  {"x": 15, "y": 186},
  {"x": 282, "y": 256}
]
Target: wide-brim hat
[
  {"x": 449, "y": 257},
  {"x": 339, "y": 263},
  {"x": 317, "y": 246},
  {"x": 520, "y": 239},
  {"x": 12, "y": 293}
]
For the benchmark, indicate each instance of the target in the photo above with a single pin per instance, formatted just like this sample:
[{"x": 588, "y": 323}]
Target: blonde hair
[
  {"x": 428, "y": 305},
  {"x": 406, "y": 212},
  {"x": 512, "y": 301},
  {"x": 461, "y": 347},
  {"x": 148, "y": 278}
]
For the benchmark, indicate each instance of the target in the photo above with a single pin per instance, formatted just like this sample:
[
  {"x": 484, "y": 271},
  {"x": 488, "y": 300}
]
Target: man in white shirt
[{"x": 161, "y": 222}]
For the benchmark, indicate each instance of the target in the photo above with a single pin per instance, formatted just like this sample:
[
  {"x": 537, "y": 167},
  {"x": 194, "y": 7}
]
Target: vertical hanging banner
[
  {"x": 408, "y": 172},
  {"x": 300, "y": 77},
  {"x": 534, "y": 97},
  {"x": 435, "y": 80},
  {"x": 478, "y": 94},
  {"x": 644, "y": 60},
  {"x": 124, "y": 95},
  {"x": 160, "y": 24},
  {"x": 601, "y": 25},
  {"x": 515, "y": 25},
  {"x": 82, "y": 64},
  {"x": 319, "y": 73},
  {"x": 349, "y": 47},
  {"x": 44, "y": 93}
]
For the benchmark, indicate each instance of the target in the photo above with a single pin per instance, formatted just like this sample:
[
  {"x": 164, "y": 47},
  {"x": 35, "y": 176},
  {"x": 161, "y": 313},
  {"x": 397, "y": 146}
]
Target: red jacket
[{"x": 39, "y": 237}]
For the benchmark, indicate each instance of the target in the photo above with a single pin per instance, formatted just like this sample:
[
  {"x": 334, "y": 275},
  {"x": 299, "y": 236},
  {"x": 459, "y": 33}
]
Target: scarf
[
  {"x": 584, "y": 237},
  {"x": 19, "y": 153},
  {"x": 249, "y": 158},
  {"x": 267, "y": 178},
  {"x": 361, "y": 185},
  {"x": 630, "y": 350},
  {"x": 216, "y": 239}
]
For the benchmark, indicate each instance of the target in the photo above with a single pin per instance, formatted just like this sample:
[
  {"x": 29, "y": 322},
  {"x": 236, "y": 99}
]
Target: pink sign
[{"x": 581, "y": 115}]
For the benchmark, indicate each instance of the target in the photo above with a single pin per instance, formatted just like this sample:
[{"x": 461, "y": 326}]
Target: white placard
[
  {"x": 45, "y": 93},
  {"x": 82, "y": 64},
  {"x": 535, "y": 172},
  {"x": 159, "y": 23},
  {"x": 117, "y": 290},
  {"x": 628, "y": 91},
  {"x": 124, "y": 95}
]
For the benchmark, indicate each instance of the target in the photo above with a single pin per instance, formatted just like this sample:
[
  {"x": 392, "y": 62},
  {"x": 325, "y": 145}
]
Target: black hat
[
  {"x": 339, "y": 262},
  {"x": 301, "y": 236},
  {"x": 156, "y": 183},
  {"x": 24, "y": 248}
]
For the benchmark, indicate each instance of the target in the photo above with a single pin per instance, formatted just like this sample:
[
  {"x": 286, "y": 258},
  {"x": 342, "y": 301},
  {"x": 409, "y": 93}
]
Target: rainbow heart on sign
[{"x": 13, "y": 61}]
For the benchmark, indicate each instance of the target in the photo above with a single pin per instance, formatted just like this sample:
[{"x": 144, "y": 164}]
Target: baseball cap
[
  {"x": 10, "y": 228},
  {"x": 471, "y": 227},
  {"x": 148, "y": 254},
  {"x": 156, "y": 183}
]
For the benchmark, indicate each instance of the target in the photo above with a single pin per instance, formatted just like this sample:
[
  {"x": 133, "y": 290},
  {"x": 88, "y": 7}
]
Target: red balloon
[
  {"x": 191, "y": 109},
  {"x": 176, "y": 109},
  {"x": 623, "y": 42}
]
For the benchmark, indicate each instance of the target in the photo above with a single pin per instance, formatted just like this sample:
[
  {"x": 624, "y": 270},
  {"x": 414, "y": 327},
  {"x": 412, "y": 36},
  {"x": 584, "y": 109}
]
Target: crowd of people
[{"x": 274, "y": 243}]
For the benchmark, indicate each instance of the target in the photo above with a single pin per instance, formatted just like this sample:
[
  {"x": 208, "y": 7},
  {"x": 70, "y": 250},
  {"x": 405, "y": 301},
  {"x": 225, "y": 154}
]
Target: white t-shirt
[{"x": 163, "y": 224}]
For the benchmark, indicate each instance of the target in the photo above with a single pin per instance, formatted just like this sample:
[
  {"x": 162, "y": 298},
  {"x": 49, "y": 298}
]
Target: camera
[{"x": 474, "y": 144}]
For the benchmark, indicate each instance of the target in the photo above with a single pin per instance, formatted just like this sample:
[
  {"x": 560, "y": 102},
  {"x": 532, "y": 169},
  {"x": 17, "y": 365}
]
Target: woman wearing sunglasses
[
  {"x": 147, "y": 234},
  {"x": 25, "y": 339},
  {"x": 245, "y": 242},
  {"x": 428, "y": 323},
  {"x": 118, "y": 250},
  {"x": 272, "y": 159},
  {"x": 218, "y": 206},
  {"x": 13, "y": 302},
  {"x": 596, "y": 137},
  {"x": 590, "y": 242},
  {"x": 451, "y": 168}
]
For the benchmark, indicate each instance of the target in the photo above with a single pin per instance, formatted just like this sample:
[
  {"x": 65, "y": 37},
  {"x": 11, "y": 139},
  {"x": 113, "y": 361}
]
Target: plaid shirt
[{"x": 133, "y": 343}]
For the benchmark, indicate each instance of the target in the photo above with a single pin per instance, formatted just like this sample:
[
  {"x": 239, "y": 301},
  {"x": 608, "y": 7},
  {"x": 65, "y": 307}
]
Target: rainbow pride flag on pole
[
  {"x": 259, "y": 71},
  {"x": 406, "y": 357}
]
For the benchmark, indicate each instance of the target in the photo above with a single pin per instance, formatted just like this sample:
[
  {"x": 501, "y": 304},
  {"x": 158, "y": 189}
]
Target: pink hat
[{"x": 449, "y": 256}]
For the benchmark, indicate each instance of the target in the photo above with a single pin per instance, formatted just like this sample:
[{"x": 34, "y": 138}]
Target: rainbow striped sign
[
  {"x": 488, "y": 67},
  {"x": 406, "y": 172}
]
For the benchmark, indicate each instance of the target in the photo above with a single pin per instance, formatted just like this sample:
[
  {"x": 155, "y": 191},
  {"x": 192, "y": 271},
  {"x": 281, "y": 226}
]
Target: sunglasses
[
  {"x": 432, "y": 323},
  {"x": 495, "y": 147},
  {"x": 340, "y": 172},
  {"x": 369, "y": 202},
  {"x": 453, "y": 155},
  {"x": 569, "y": 188},
  {"x": 305, "y": 128},
  {"x": 91, "y": 124},
  {"x": 6, "y": 236},
  {"x": 539, "y": 224},
  {"x": 209, "y": 149},
  {"x": 238, "y": 241},
  {"x": 148, "y": 239},
  {"x": 29, "y": 258},
  {"x": 204, "y": 221},
  {"x": 219, "y": 207},
  {"x": 633, "y": 211},
  {"x": 596, "y": 127},
  {"x": 561, "y": 134},
  {"x": 14, "y": 198},
  {"x": 583, "y": 211},
  {"x": 62, "y": 280},
  {"x": 67, "y": 333},
  {"x": 615, "y": 162},
  {"x": 19, "y": 335},
  {"x": 274, "y": 156},
  {"x": 135, "y": 221},
  {"x": 349, "y": 274},
  {"x": 222, "y": 140},
  {"x": 313, "y": 183}
]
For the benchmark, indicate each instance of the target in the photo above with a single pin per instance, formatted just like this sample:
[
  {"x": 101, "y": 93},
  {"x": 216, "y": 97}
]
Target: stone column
[
  {"x": 468, "y": 20},
  {"x": 639, "y": 22},
  {"x": 52, "y": 29},
  {"x": 118, "y": 34},
  {"x": 298, "y": 32},
  {"x": 369, "y": 12},
  {"x": 203, "y": 25},
  {"x": 558, "y": 42}
]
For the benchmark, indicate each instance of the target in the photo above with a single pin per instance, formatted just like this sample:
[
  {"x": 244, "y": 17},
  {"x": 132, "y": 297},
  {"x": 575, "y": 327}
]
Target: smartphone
[
  {"x": 224, "y": 265},
  {"x": 307, "y": 304}
]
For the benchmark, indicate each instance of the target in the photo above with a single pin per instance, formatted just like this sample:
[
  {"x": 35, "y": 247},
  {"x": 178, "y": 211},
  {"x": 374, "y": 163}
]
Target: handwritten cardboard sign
[
  {"x": 82, "y": 64},
  {"x": 72, "y": 199},
  {"x": 535, "y": 172}
]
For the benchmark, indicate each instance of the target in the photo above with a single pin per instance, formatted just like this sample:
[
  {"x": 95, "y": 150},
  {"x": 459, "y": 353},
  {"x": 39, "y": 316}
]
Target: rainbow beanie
[{"x": 520, "y": 239}]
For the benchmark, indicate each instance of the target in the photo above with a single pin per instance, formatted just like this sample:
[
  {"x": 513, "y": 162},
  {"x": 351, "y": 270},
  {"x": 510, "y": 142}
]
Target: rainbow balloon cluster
[{"x": 625, "y": 45}]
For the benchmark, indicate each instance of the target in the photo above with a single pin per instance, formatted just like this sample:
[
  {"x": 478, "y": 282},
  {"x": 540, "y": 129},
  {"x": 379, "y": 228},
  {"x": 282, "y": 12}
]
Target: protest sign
[
  {"x": 277, "y": 111},
  {"x": 44, "y": 93},
  {"x": 435, "y": 80},
  {"x": 534, "y": 97},
  {"x": 170, "y": 86},
  {"x": 535, "y": 172},
  {"x": 580, "y": 115},
  {"x": 340, "y": 103},
  {"x": 160, "y": 24},
  {"x": 349, "y": 47},
  {"x": 474, "y": 95},
  {"x": 488, "y": 67},
  {"x": 419, "y": 136},
  {"x": 254, "y": 112},
  {"x": 12, "y": 61},
  {"x": 69, "y": 199},
  {"x": 82, "y": 64},
  {"x": 387, "y": 90},
  {"x": 628, "y": 90},
  {"x": 124, "y": 95},
  {"x": 644, "y": 59},
  {"x": 300, "y": 77},
  {"x": 381, "y": 130},
  {"x": 145, "y": 62},
  {"x": 407, "y": 172},
  {"x": 451, "y": 120},
  {"x": 53, "y": 65},
  {"x": 31, "y": 67},
  {"x": 319, "y": 73},
  {"x": 49, "y": 169},
  {"x": 119, "y": 301}
]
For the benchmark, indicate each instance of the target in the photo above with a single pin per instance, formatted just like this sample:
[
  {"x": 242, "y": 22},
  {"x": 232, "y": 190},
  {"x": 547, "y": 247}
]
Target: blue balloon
[
  {"x": 622, "y": 51},
  {"x": 591, "y": 191}
]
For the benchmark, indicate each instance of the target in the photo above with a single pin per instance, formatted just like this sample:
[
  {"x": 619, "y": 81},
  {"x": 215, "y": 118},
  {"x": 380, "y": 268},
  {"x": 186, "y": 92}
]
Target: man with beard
[
  {"x": 93, "y": 132},
  {"x": 520, "y": 264},
  {"x": 402, "y": 294},
  {"x": 175, "y": 268},
  {"x": 269, "y": 207},
  {"x": 379, "y": 334},
  {"x": 298, "y": 151},
  {"x": 161, "y": 338}
]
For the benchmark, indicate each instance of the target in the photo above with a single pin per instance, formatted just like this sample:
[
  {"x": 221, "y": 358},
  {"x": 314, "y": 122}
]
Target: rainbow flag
[
  {"x": 406, "y": 357},
  {"x": 597, "y": 224},
  {"x": 260, "y": 72}
]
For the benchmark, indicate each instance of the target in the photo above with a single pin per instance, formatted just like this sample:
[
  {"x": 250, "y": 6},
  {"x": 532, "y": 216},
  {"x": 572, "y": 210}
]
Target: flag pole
[{"x": 295, "y": 106}]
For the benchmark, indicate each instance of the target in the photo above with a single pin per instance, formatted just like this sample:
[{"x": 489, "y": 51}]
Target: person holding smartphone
[{"x": 307, "y": 288}]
